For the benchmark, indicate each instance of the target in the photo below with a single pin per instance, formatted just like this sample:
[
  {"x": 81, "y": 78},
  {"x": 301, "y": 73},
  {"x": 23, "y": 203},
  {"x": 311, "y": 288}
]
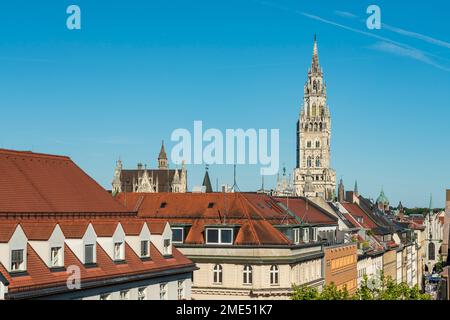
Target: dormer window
[
  {"x": 145, "y": 252},
  {"x": 166, "y": 250},
  {"x": 118, "y": 251},
  {"x": 219, "y": 236},
  {"x": 17, "y": 262},
  {"x": 163, "y": 205},
  {"x": 306, "y": 235},
  {"x": 89, "y": 254},
  {"x": 296, "y": 235},
  {"x": 56, "y": 257},
  {"x": 210, "y": 205},
  {"x": 177, "y": 235}
]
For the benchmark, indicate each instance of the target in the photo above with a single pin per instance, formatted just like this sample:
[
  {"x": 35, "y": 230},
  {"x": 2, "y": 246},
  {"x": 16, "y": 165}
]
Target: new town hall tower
[{"x": 313, "y": 175}]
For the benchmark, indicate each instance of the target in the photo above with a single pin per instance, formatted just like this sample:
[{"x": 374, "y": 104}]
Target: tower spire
[{"x": 315, "y": 57}]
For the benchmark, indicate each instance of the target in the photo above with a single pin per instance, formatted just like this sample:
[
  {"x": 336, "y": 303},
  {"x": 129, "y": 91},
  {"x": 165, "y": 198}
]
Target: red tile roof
[
  {"x": 40, "y": 183},
  {"x": 255, "y": 214},
  {"x": 39, "y": 276},
  {"x": 38, "y": 230},
  {"x": 7, "y": 229},
  {"x": 308, "y": 212},
  {"x": 356, "y": 211}
]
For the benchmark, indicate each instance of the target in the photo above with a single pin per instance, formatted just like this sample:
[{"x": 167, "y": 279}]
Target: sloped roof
[
  {"x": 40, "y": 183},
  {"x": 356, "y": 211},
  {"x": 308, "y": 212},
  {"x": 256, "y": 215},
  {"x": 39, "y": 276}
]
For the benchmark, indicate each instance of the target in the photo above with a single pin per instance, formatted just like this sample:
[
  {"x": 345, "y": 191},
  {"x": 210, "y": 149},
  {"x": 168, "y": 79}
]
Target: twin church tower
[{"x": 313, "y": 175}]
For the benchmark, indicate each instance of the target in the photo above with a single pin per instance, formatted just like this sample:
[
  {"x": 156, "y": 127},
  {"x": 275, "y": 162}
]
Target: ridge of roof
[{"x": 32, "y": 154}]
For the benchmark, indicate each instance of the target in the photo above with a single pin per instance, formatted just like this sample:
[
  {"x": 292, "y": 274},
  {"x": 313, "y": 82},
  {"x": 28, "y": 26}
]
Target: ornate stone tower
[
  {"x": 162, "y": 158},
  {"x": 313, "y": 137}
]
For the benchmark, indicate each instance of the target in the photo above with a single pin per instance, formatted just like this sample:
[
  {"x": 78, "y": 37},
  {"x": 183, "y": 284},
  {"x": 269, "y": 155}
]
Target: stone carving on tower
[
  {"x": 313, "y": 138},
  {"x": 116, "y": 184},
  {"x": 284, "y": 185}
]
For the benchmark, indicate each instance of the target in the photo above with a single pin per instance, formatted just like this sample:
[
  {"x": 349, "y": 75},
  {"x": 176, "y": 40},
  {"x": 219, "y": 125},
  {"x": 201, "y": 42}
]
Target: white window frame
[
  {"x": 305, "y": 235},
  {"x": 219, "y": 236},
  {"x": 182, "y": 234},
  {"x": 147, "y": 246},
  {"x": 181, "y": 292},
  {"x": 125, "y": 295},
  {"x": 20, "y": 264},
  {"x": 274, "y": 275},
  {"x": 105, "y": 296},
  {"x": 163, "y": 291},
  {"x": 166, "y": 248},
  {"x": 118, "y": 255},
  {"x": 296, "y": 235},
  {"x": 90, "y": 245},
  {"x": 59, "y": 261},
  {"x": 218, "y": 274},
  {"x": 247, "y": 273},
  {"x": 142, "y": 293}
]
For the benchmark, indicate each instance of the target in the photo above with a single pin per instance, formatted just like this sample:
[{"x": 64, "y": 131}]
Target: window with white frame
[
  {"x": 296, "y": 235},
  {"x": 219, "y": 236},
  {"x": 314, "y": 234},
  {"x": 181, "y": 290},
  {"x": 118, "y": 251},
  {"x": 217, "y": 274},
  {"x": 125, "y": 295},
  {"x": 105, "y": 296},
  {"x": 177, "y": 234},
  {"x": 142, "y": 293},
  {"x": 56, "y": 257},
  {"x": 145, "y": 249},
  {"x": 89, "y": 254},
  {"x": 163, "y": 293},
  {"x": 167, "y": 245},
  {"x": 17, "y": 262},
  {"x": 247, "y": 274},
  {"x": 306, "y": 235},
  {"x": 274, "y": 279}
]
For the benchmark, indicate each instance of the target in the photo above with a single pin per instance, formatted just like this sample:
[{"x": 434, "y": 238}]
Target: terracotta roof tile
[
  {"x": 38, "y": 183},
  {"x": 7, "y": 229},
  {"x": 254, "y": 214}
]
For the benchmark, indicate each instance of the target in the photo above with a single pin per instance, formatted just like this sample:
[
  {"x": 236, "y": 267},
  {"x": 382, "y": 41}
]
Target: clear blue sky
[{"x": 140, "y": 69}]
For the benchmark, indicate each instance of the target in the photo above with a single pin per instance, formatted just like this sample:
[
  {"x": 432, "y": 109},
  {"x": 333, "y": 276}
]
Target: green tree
[{"x": 382, "y": 288}]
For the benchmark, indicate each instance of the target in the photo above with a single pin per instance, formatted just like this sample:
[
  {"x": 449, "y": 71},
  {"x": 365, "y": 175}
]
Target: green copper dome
[{"x": 382, "y": 198}]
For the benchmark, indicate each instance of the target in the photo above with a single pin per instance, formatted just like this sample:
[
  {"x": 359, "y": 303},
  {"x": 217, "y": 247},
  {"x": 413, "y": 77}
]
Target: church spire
[
  {"x": 162, "y": 158},
  {"x": 315, "y": 57}
]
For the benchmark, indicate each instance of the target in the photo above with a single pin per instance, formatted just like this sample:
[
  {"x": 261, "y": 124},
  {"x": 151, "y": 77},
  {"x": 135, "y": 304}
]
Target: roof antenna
[{"x": 235, "y": 186}]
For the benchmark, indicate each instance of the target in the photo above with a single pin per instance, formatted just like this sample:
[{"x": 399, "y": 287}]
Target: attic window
[
  {"x": 210, "y": 205},
  {"x": 163, "y": 205}
]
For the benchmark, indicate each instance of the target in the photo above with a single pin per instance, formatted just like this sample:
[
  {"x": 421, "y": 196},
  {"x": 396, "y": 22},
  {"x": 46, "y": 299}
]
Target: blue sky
[{"x": 140, "y": 69}]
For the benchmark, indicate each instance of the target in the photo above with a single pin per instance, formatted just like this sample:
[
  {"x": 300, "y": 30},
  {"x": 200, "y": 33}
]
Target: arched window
[
  {"x": 217, "y": 273},
  {"x": 309, "y": 162},
  {"x": 248, "y": 274},
  {"x": 431, "y": 251},
  {"x": 321, "y": 111},
  {"x": 318, "y": 162},
  {"x": 320, "y": 126},
  {"x": 274, "y": 274},
  {"x": 314, "y": 110},
  {"x": 308, "y": 144},
  {"x": 315, "y": 85},
  {"x": 315, "y": 127},
  {"x": 317, "y": 144}
]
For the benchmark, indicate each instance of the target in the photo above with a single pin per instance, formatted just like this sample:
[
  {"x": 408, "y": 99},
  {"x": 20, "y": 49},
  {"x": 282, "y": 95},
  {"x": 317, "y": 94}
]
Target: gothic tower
[
  {"x": 162, "y": 158},
  {"x": 313, "y": 137}
]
